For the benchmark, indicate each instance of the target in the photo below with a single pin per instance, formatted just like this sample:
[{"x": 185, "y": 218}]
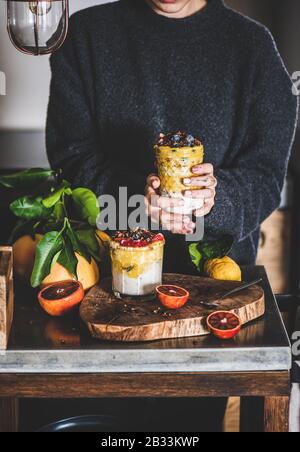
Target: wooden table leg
[
  {"x": 270, "y": 414},
  {"x": 9, "y": 415},
  {"x": 276, "y": 414}
]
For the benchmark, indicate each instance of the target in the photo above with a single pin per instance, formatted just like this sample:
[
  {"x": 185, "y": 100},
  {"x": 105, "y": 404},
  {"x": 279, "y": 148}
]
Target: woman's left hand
[{"x": 204, "y": 179}]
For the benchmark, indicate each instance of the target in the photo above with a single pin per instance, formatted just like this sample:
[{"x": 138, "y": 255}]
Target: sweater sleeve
[
  {"x": 73, "y": 139},
  {"x": 250, "y": 189}
]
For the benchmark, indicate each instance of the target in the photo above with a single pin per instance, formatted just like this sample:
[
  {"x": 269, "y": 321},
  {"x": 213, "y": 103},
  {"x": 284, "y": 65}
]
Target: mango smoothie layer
[
  {"x": 176, "y": 154},
  {"x": 137, "y": 261}
]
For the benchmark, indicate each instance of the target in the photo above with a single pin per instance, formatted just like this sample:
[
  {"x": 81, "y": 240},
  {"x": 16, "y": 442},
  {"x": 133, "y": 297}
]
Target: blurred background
[
  {"x": 23, "y": 116},
  {"x": 23, "y": 109}
]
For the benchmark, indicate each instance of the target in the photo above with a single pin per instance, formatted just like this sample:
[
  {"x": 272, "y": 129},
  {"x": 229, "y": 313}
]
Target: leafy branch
[{"x": 65, "y": 217}]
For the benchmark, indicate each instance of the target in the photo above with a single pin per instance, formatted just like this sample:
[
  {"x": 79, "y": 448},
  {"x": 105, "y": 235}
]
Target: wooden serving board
[
  {"x": 6, "y": 295},
  {"x": 133, "y": 321}
]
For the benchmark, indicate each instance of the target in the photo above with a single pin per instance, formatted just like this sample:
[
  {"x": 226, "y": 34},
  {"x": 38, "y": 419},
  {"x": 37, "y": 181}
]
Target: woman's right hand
[{"x": 159, "y": 209}]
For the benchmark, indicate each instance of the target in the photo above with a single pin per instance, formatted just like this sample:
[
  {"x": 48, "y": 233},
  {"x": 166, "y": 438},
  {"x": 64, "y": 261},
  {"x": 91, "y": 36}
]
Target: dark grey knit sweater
[{"x": 126, "y": 73}]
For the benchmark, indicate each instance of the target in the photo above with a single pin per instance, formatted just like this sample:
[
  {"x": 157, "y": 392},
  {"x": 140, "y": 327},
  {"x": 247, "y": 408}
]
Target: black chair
[
  {"x": 296, "y": 372},
  {"x": 290, "y": 304},
  {"x": 84, "y": 424}
]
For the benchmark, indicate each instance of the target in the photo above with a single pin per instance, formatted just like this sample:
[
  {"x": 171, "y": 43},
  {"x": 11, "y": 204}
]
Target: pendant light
[{"x": 37, "y": 27}]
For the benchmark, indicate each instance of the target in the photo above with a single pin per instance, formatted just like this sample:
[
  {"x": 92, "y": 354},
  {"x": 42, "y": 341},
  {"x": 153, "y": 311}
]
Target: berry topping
[
  {"x": 158, "y": 238},
  {"x": 137, "y": 238},
  {"x": 178, "y": 139}
]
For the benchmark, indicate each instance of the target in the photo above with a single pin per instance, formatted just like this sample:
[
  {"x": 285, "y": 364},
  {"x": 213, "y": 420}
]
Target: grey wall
[
  {"x": 24, "y": 106},
  {"x": 27, "y": 78}
]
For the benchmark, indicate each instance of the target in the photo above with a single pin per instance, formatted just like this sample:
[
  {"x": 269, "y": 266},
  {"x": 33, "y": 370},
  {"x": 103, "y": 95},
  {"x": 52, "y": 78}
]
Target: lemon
[
  {"x": 225, "y": 269},
  {"x": 24, "y": 255},
  {"x": 104, "y": 241},
  {"x": 103, "y": 236}
]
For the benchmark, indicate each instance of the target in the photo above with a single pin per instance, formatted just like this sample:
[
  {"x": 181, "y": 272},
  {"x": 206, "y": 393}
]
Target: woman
[{"x": 133, "y": 69}]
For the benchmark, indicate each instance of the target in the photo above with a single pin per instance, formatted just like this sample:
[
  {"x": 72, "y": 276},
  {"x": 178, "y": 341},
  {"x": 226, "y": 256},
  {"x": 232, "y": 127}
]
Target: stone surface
[{"x": 43, "y": 344}]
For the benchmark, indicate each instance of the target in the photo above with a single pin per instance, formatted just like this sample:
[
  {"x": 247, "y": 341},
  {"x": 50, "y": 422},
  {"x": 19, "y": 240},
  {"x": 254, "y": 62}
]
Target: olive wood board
[{"x": 130, "y": 320}]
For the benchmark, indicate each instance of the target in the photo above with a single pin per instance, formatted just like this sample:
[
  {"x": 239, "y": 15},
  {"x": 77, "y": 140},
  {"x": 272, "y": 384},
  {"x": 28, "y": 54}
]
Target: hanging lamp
[{"x": 37, "y": 27}]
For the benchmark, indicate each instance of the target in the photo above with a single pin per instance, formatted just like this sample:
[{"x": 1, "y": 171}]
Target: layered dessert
[
  {"x": 137, "y": 263},
  {"x": 176, "y": 154}
]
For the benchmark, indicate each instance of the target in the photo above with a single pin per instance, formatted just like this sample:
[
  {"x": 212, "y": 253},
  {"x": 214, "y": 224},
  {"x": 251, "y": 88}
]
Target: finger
[
  {"x": 154, "y": 206},
  {"x": 151, "y": 205},
  {"x": 177, "y": 228},
  {"x": 149, "y": 191},
  {"x": 205, "y": 168},
  {"x": 175, "y": 218},
  {"x": 153, "y": 181},
  {"x": 175, "y": 222},
  {"x": 152, "y": 199},
  {"x": 162, "y": 203},
  {"x": 166, "y": 202},
  {"x": 203, "y": 181},
  {"x": 206, "y": 193},
  {"x": 206, "y": 209},
  {"x": 154, "y": 213},
  {"x": 183, "y": 231}
]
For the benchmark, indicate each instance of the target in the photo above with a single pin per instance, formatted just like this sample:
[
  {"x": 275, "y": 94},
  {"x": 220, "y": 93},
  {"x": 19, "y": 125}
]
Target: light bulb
[{"x": 40, "y": 8}]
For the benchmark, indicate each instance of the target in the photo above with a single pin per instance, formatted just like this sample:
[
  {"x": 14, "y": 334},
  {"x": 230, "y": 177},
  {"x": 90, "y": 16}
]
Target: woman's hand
[
  {"x": 160, "y": 209},
  {"x": 204, "y": 179}
]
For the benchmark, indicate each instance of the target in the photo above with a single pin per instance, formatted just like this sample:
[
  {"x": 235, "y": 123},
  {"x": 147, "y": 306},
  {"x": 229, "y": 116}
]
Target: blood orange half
[
  {"x": 224, "y": 324},
  {"x": 172, "y": 297},
  {"x": 60, "y": 298}
]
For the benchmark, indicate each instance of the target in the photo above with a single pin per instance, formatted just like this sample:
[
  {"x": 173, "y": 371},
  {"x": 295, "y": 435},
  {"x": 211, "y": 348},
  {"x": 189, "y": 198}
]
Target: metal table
[{"x": 56, "y": 358}]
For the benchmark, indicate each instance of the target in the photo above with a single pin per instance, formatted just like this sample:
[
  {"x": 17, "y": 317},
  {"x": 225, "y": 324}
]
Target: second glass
[{"x": 175, "y": 162}]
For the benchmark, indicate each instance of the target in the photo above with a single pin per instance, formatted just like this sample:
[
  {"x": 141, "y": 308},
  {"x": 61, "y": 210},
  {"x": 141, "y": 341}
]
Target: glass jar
[
  {"x": 136, "y": 271},
  {"x": 174, "y": 165}
]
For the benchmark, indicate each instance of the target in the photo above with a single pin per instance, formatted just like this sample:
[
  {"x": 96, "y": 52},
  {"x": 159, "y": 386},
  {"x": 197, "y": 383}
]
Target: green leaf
[
  {"x": 77, "y": 246},
  {"x": 59, "y": 211},
  {"x": 46, "y": 250},
  {"x": 209, "y": 249},
  {"x": 68, "y": 259},
  {"x": 86, "y": 205},
  {"x": 56, "y": 219},
  {"x": 26, "y": 180},
  {"x": 30, "y": 208},
  {"x": 56, "y": 196},
  {"x": 54, "y": 260},
  {"x": 217, "y": 248},
  {"x": 87, "y": 238},
  {"x": 196, "y": 255}
]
